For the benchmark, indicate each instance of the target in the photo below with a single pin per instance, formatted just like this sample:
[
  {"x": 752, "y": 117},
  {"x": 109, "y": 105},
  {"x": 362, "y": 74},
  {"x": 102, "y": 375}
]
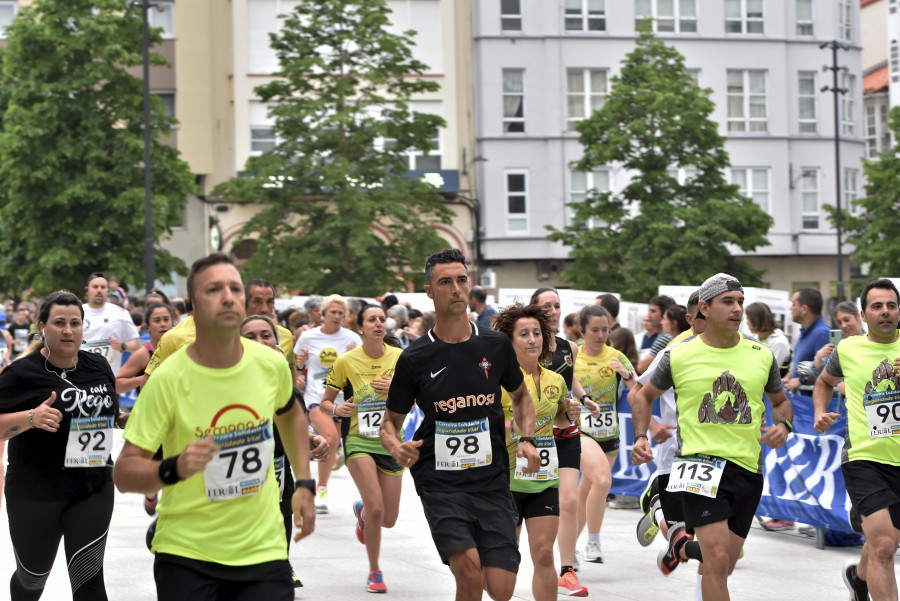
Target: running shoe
[
  {"x": 623, "y": 502},
  {"x": 668, "y": 560},
  {"x": 647, "y": 527},
  {"x": 360, "y": 522},
  {"x": 592, "y": 552},
  {"x": 576, "y": 560},
  {"x": 855, "y": 521},
  {"x": 569, "y": 585},
  {"x": 150, "y": 504},
  {"x": 859, "y": 590},
  {"x": 322, "y": 499},
  {"x": 650, "y": 493},
  {"x": 376, "y": 583},
  {"x": 296, "y": 579},
  {"x": 776, "y": 525}
]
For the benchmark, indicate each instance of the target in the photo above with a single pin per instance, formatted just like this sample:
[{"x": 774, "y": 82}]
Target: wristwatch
[
  {"x": 309, "y": 483},
  {"x": 528, "y": 439},
  {"x": 788, "y": 425}
]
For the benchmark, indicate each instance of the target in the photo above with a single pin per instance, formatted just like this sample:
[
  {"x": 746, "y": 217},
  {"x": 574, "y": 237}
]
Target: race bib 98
[{"x": 462, "y": 445}]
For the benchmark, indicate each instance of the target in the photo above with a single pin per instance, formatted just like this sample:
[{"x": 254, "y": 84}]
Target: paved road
[{"x": 333, "y": 565}]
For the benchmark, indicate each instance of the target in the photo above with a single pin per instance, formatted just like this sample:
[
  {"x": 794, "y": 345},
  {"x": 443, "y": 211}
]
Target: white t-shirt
[
  {"x": 779, "y": 345},
  {"x": 667, "y": 415},
  {"x": 324, "y": 349},
  {"x": 100, "y": 324}
]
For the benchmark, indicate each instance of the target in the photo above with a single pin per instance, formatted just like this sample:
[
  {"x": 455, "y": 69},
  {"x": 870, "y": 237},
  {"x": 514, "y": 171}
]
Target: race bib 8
[
  {"x": 549, "y": 469},
  {"x": 603, "y": 426},
  {"x": 241, "y": 466},
  {"x": 462, "y": 445},
  {"x": 90, "y": 441},
  {"x": 883, "y": 413},
  {"x": 697, "y": 474}
]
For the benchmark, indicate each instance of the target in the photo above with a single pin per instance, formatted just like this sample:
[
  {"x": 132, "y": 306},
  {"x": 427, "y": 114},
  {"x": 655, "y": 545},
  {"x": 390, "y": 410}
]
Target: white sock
[
  {"x": 698, "y": 596},
  {"x": 658, "y": 516},
  {"x": 593, "y": 536}
]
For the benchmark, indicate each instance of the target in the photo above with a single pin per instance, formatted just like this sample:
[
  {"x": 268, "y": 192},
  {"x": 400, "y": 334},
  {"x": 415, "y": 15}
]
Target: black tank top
[{"x": 562, "y": 361}]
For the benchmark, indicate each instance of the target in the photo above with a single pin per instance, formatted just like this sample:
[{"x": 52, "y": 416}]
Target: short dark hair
[
  {"x": 478, "y": 293},
  {"x": 389, "y": 301},
  {"x": 63, "y": 298},
  {"x": 94, "y": 275},
  {"x": 662, "y": 301},
  {"x": 610, "y": 303},
  {"x": 448, "y": 255},
  {"x": 537, "y": 294},
  {"x": 505, "y": 321},
  {"x": 203, "y": 263},
  {"x": 883, "y": 283},
  {"x": 693, "y": 302},
  {"x": 589, "y": 311},
  {"x": 154, "y": 306},
  {"x": 259, "y": 282},
  {"x": 812, "y": 298},
  {"x": 179, "y": 306}
]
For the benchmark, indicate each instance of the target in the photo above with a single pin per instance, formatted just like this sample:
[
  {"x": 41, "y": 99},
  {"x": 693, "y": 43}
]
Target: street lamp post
[{"x": 836, "y": 90}]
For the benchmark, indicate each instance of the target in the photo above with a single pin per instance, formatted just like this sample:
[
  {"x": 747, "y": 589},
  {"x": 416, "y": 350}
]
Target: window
[
  {"x": 514, "y": 100},
  {"x": 848, "y": 105},
  {"x": 744, "y": 16},
  {"x": 262, "y": 139},
  {"x": 163, "y": 15},
  {"x": 582, "y": 183},
  {"x": 806, "y": 95},
  {"x": 747, "y": 101},
  {"x": 511, "y": 15},
  {"x": 695, "y": 75},
  {"x": 851, "y": 190},
  {"x": 809, "y": 188},
  {"x": 845, "y": 20},
  {"x": 878, "y": 136},
  {"x": 418, "y": 160},
  {"x": 667, "y": 15},
  {"x": 586, "y": 92},
  {"x": 168, "y": 102},
  {"x": 7, "y": 14},
  {"x": 805, "y": 17},
  {"x": 585, "y": 15},
  {"x": 895, "y": 62},
  {"x": 753, "y": 183},
  {"x": 516, "y": 201}
]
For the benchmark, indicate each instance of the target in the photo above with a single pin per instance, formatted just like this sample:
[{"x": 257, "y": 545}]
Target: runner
[
  {"x": 159, "y": 319},
  {"x": 719, "y": 379},
  {"x": 599, "y": 368},
  {"x": 219, "y": 534},
  {"x": 458, "y": 457},
  {"x": 316, "y": 351},
  {"x": 108, "y": 328},
  {"x": 537, "y": 495},
  {"x": 870, "y": 366},
  {"x": 568, "y": 444},
  {"x": 260, "y": 295},
  {"x": 364, "y": 374},
  {"x": 59, "y": 403}
]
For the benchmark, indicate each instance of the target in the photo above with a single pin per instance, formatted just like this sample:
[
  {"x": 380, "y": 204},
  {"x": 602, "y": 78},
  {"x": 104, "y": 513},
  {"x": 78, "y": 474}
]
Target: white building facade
[{"x": 541, "y": 65}]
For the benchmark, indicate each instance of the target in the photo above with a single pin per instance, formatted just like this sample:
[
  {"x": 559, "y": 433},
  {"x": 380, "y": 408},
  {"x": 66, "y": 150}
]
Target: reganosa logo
[{"x": 215, "y": 428}]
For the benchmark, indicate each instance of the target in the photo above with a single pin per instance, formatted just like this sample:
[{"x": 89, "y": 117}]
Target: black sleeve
[
  {"x": 662, "y": 375},
  {"x": 774, "y": 384},
  {"x": 833, "y": 367},
  {"x": 10, "y": 387},
  {"x": 288, "y": 405},
  {"x": 512, "y": 377},
  {"x": 402, "y": 393}
]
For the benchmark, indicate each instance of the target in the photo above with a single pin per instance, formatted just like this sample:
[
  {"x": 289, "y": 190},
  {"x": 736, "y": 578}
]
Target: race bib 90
[
  {"x": 883, "y": 413},
  {"x": 462, "y": 445},
  {"x": 241, "y": 466}
]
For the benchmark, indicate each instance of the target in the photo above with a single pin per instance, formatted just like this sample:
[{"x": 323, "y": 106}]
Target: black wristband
[
  {"x": 636, "y": 436},
  {"x": 168, "y": 470},
  {"x": 528, "y": 439},
  {"x": 585, "y": 396},
  {"x": 309, "y": 484}
]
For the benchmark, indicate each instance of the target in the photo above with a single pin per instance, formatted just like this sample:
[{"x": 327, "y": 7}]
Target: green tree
[
  {"x": 71, "y": 149},
  {"x": 656, "y": 230},
  {"x": 339, "y": 213},
  {"x": 872, "y": 230}
]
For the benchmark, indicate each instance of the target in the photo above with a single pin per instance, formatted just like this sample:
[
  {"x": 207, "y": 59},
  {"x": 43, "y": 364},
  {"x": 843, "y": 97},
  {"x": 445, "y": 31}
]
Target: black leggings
[{"x": 35, "y": 528}]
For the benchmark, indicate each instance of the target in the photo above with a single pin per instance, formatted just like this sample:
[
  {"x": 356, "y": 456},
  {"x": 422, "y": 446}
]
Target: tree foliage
[
  {"x": 340, "y": 214},
  {"x": 872, "y": 229},
  {"x": 71, "y": 149},
  {"x": 656, "y": 230}
]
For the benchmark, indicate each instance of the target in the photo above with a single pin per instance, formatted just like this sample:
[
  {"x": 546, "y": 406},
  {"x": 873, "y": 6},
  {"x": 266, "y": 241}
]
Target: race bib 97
[{"x": 462, "y": 445}]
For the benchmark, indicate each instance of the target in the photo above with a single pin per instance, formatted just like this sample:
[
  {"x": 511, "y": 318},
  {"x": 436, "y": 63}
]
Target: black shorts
[
  {"x": 873, "y": 486},
  {"x": 736, "y": 501},
  {"x": 485, "y": 521},
  {"x": 568, "y": 450},
  {"x": 670, "y": 501},
  {"x": 385, "y": 463},
  {"x": 536, "y": 504},
  {"x": 607, "y": 446},
  {"x": 179, "y": 578}
]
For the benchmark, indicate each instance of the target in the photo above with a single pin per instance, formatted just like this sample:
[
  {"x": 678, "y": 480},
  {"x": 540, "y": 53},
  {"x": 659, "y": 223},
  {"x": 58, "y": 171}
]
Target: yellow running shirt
[
  {"x": 547, "y": 402},
  {"x": 227, "y": 514},
  {"x": 601, "y": 382},
  {"x": 357, "y": 370},
  {"x": 872, "y": 386}
]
